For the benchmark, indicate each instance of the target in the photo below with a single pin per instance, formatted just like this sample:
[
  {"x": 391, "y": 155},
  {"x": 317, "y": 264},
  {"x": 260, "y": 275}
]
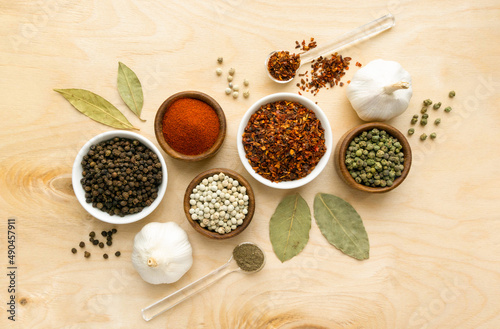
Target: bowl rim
[
  {"x": 201, "y": 97},
  {"x": 251, "y": 204},
  {"x": 319, "y": 114},
  {"x": 77, "y": 176},
  {"x": 345, "y": 140}
]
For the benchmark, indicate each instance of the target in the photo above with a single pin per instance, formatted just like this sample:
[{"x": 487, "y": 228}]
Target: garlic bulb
[
  {"x": 380, "y": 91},
  {"x": 162, "y": 253}
]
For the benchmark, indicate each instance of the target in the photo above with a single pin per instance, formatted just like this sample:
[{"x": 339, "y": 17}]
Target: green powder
[{"x": 249, "y": 257}]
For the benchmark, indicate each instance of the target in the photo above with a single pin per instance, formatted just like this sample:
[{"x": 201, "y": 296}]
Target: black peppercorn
[
  {"x": 95, "y": 242},
  {"x": 92, "y": 234},
  {"x": 109, "y": 243},
  {"x": 101, "y": 244},
  {"x": 86, "y": 254},
  {"x": 105, "y": 256},
  {"x": 82, "y": 244},
  {"x": 104, "y": 233},
  {"x": 117, "y": 254},
  {"x": 73, "y": 250}
]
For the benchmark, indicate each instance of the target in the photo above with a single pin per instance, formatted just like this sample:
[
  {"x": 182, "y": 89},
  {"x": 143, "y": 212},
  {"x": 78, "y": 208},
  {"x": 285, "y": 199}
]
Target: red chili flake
[
  {"x": 284, "y": 141},
  {"x": 282, "y": 65},
  {"x": 358, "y": 64}
]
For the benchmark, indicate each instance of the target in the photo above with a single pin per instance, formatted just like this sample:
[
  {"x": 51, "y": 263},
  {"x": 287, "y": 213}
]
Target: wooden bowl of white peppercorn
[{"x": 229, "y": 201}]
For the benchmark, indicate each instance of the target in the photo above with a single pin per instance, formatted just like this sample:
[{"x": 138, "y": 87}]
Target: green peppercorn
[
  {"x": 433, "y": 135},
  {"x": 411, "y": 131},
  {"x": 423, "y": 110},
  {"x": 423, "y": 136},
  {"x": 437, "y": 121},
  {"x": 451, "y": 94},
  {"x": 447, "y": 109},
  {"x": 436, "y": 106},
  {"x": 425, "y": 116},
  {"x": 427, "y": 102},
  {"x": 423, "y": 122},
  {"x": 414, "y": 120},
  {"x": 73, "y": 250}
]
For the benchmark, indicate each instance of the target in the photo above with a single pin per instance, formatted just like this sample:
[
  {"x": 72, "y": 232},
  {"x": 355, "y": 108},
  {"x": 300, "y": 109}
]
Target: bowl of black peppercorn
[{"x": 119, "y": 177}]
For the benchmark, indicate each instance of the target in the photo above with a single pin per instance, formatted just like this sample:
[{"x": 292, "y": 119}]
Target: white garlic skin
[
  {"x": 370, "y": 94},
  {"x": 162, "y": 253}
]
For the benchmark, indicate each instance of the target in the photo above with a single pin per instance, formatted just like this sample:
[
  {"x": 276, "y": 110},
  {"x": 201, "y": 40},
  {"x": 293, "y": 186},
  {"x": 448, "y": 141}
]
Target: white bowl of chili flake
[{"x": 284, "y": 140}]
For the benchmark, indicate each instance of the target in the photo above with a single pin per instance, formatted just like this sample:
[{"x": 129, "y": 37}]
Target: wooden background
[{"x": 435, "y": 241}]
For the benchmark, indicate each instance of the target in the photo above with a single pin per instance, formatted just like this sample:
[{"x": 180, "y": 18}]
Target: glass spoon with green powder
[{"x": 247, "y": 257}]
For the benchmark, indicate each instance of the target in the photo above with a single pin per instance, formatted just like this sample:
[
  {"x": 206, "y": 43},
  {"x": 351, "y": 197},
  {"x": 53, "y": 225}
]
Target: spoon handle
[
  {"x": 361, "y": 33},
  {"x": 191, "y": 289}
]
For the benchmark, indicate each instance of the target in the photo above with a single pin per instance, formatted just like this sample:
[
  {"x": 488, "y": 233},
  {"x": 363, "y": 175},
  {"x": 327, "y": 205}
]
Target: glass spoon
[
  {"x": 195, "y": 287},
  {"x": 361, "y": 33}
]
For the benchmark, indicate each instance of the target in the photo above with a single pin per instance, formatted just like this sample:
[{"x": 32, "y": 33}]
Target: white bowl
[
  {"x": 324, "y": 123},
  {"x": 80, "y": 193}
]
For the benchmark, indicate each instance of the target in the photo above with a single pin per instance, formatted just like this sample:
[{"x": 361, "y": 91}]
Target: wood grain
[{"x": 435, "y": 248}]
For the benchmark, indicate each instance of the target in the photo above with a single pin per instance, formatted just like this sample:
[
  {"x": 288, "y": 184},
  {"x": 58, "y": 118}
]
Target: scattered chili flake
[
  {"x": 358, "y": 64},
  {"x": 282, "y": 65},
  {"x": 284, "y": 141},
  {"x": 302, "y": 45}
]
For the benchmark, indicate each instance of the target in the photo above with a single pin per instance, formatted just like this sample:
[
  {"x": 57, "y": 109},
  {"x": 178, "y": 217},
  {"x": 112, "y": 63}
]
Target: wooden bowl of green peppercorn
[{"x": 373, "y": 157}]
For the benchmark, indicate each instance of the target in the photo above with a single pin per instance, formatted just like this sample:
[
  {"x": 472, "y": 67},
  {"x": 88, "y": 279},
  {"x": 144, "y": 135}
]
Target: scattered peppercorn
[
  {"x": 92, "y": 234},
  {"x": 105, "y": 256},
  {"x": 427, "y": 102},
  {"x": 433, "y": 136},
  {"x": 86, "y": 254},
  {"x": 235, "y": 94},
  {"x": 423, "y": 110},
  {"x": 246, "y": 83},
  {"x": 423, "y": 122},
  {"x": 411, "y": 131},
  {"x": 73, "y": 250},
  {"x": 414, "y": 119},
  {"x": 436, "y": 106},
  {"x": 425, "y": 116},
  {"x": 109, "y": 243},
  {"x": 220, "y": 60},
  {"x": 117, "y": 254},
  {"x": 423, "y": 136},
  {"x": 437, "y": 121},
  {"x": 218, "y": 71},
  {"x": 101, "y": 244},
  {"x": 82, "y": 244},
  {"x": 228, "y": 91},
  {"x": 231, "y": 71},
  {"x": 447, "y": 109},
  {"x": 229, "y": 78},
  {"x": 246, "y": 94},
  {"x": 114, "y": 230},
  {"x": 104, "y": 233},
  {"x": 451, "y": 94},
  {"x": 95, "y": 242}
]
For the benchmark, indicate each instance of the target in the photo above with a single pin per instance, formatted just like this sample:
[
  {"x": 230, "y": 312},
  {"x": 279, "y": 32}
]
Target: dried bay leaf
[
  {"x": 96, "y": 108},
  {"x": 341, "y": 225},
  {"x": 289, "y": 227},
  {"x": 130, "y": 89}
]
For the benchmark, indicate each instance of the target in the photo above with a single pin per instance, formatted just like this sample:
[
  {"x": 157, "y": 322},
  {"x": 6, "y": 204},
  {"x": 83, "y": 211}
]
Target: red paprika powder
[{"x": 190, "y": 126}]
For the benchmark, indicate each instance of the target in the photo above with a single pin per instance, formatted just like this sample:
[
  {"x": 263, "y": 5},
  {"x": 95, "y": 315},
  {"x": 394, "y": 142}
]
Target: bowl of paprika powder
[{"x": 190, "y": 126}]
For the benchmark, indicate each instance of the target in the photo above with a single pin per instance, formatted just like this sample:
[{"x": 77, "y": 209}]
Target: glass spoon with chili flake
[
  {"x": 361, "y": 33},
  {"x": 247, "y": 257}
]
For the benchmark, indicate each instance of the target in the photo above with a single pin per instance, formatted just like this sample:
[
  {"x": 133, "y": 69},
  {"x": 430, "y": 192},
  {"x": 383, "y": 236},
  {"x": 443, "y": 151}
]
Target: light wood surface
[{"x": 435, "y": 242}]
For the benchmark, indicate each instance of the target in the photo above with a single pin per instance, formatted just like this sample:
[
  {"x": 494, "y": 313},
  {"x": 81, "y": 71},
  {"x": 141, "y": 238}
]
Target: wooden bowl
[
  {"x": 246, "y": 220},
  {"x": 343, "y": 144},
  {"x": 199, "y": 96}
]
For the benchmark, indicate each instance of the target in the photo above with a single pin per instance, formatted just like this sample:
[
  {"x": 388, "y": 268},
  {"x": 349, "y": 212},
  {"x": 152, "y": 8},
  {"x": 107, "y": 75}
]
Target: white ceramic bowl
[
  {"x": 324, "y": 123},
  {"x": 80, "y": 193}
]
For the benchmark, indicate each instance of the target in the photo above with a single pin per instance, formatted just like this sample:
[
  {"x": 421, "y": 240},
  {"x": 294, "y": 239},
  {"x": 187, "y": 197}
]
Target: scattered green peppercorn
[
  {"x": 117, "y": 254},
  {"x": 427, "y": 102},
  {"x": 105, "y": 256},
  {"x": 425, "y": 116},
  {"x": 82, "y": 244},
  {"x": 414, "y": 120},
  {"x": 436, "y": 106},
  {"x": 423, "y": 110},
  {"x": 423, "y": 122},
  {"x": 86, "y": 254},
  {"x": 433, "y": 136},
  {"x": 411, "y": 131},
  {"x": 437, "y": 121},
  {"x": 73, "y": 250},
  {"x": 451, "y": 94},
  {"x": 423, "y": 136},
  {"x": 447, "y": 109}
]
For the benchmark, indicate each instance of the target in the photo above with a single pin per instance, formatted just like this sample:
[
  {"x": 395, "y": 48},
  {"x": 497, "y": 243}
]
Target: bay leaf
[
  {"x": 130, "y": 89},
  {"x": 341, "y": 225},
  {"x": 96, "y": 108},
  {"x": 289, "y": 227}
]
